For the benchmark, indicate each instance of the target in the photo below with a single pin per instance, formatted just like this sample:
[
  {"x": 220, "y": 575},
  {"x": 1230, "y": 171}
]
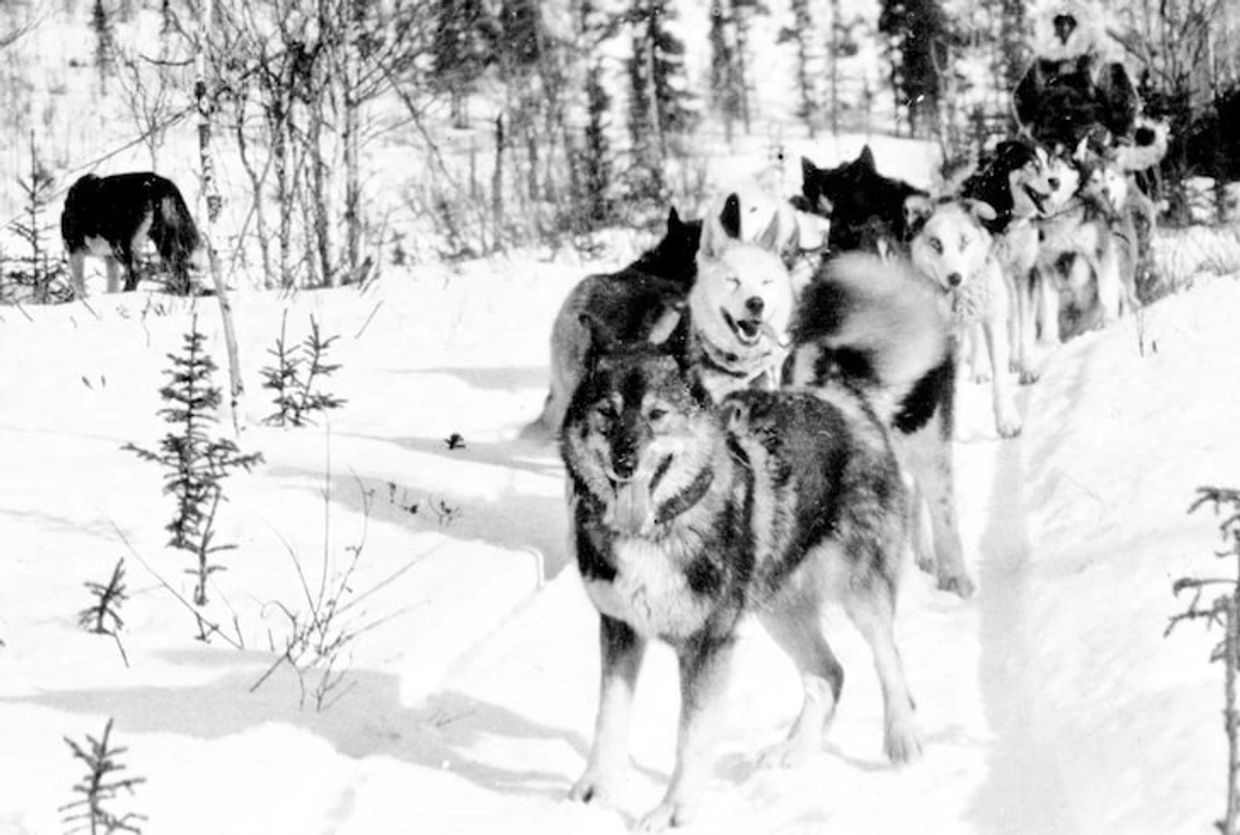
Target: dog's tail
[
  {"x": 172, "y": 228},
  {"x": 875, "y": 324}
]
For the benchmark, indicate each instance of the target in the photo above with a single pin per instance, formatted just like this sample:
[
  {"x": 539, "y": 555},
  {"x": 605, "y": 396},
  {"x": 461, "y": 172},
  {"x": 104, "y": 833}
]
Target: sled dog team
[{"x": 736, "y": 441}]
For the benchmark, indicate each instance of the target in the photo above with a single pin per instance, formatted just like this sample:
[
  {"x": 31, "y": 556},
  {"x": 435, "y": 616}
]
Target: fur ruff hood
[{"x": 1087, "y": 38}]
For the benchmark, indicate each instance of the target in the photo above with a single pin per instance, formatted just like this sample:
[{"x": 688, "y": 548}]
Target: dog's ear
[
  {"x": 917, "y": 210},
  {"x": 673, "y": 221},
  {"x": 769, "y": 239},
  {"x": 808, "y": 170},
  {"x": 732, "y": 414},
  {"x": 665, "y": 324},
  {"x": 730, "y": 217},
  {"x": 866, "y": 159},
  {"x": 981, "y": 210}
]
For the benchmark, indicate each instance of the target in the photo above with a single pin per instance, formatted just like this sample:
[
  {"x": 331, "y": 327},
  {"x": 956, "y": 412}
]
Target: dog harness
[{"x": 970, "y": 301}]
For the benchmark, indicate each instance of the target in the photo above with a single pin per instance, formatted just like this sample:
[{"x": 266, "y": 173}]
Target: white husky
[{"x": 954, "y": 249}]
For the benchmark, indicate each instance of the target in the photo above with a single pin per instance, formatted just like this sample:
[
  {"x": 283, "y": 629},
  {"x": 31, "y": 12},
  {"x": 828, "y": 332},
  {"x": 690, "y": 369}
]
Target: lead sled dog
[{"x": 688, "y": 515}]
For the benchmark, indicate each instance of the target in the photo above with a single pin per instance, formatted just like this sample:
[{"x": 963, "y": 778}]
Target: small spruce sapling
[
  {"x": 38, "y": 191},
  {"x": 103, "y": 616},
  {"x": 295, "y": 376},
  {"x": 196, "y": 464},
  {"x": 1223, "y": 611},
  {"x": 98, "y": 787}
]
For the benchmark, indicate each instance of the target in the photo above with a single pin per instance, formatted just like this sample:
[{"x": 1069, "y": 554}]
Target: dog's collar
[
  {"x": 686, "y": 498},
  {"x": 718, "y": 360}
]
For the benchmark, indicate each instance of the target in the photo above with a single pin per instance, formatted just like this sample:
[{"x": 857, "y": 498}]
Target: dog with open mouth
[
  {"x": 740, "y": 306},
  {"x": 1018, "y": 185}
]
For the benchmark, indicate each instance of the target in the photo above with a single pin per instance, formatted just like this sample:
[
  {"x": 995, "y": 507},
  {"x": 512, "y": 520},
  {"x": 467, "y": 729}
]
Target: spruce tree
[
  {"x": 725, "y": 97},
  {"x": 918, "y": 38},
  {"x": 105, "y": 46},
  {"x": 195, "y": 464},
  {"x": 596, "y": 159},
  {"x": 461, "y": 49},
  {"x": 658, "y": 95},
  {"x": 801, "y": 34}
]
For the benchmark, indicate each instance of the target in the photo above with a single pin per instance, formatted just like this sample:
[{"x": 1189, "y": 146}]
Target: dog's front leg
[
  {"x": 622, "y": 650},
  {"x": 703, "y": 668},
  {"x": 1007, "y": 419}
]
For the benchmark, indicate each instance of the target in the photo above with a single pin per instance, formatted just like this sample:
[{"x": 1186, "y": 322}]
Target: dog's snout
[
  {"x": 954, "y": 279},
  {"x": 624, "y": 462},
  {"x": 1053, "y": 182},
  {"x": 754, "y": 305}
]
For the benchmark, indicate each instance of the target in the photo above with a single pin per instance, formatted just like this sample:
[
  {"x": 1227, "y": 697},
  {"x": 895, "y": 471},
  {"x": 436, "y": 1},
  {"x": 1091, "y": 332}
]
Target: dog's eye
[
  {"x": 964, "y": 241},
  {"x": 656, "y": 413},
  {"x": 606, "y": 410},
  {"x": 936, "y": 245},
  {"x": 736, "y": 282}
]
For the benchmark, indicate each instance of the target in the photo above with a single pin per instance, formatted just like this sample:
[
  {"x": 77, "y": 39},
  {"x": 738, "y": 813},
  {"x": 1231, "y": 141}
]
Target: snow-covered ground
[{"x": 1049, "y": 703}]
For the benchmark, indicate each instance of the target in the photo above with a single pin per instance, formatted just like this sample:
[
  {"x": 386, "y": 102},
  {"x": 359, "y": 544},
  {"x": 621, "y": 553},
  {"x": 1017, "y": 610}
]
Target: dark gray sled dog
[
  {"x": 109, "y": 216},
  {"x": 689, "y": 516}
]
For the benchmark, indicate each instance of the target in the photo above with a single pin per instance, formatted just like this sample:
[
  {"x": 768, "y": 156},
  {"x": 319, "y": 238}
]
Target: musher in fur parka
[{"x": 1072, "y": 88}]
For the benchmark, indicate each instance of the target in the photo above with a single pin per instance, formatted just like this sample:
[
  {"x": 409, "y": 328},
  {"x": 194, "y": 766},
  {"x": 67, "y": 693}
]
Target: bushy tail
[
  {"x": 173, "y": 229},
  {"x": 875, "y": 324}
]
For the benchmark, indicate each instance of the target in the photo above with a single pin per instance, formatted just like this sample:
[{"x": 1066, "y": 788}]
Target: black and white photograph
[{"x": 744, "y": 417}]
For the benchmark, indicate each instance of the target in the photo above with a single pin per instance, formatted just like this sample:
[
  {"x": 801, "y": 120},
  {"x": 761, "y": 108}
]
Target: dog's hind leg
[
  {"x": 927, "y": 454},
  {"x": 797, "y": 630},
  {"x": 622, "y": 650},
  {"x": 113, "y": 269},
  {"x": 77, "y": 273},
  {"x": 704, "y": 662},
  {"x": 872, "y": 609}
]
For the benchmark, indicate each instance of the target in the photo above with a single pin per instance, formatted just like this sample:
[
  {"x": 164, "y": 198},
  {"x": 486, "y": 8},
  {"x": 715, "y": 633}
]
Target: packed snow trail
[{"x": 1049, "y": 703}]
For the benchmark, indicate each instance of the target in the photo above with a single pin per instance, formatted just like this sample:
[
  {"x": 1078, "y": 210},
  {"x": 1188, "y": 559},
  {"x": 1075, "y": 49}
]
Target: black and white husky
[
  {"x": 875, "y": 323},
  {"x": 109, "y": 216},
  {"x": 689, "y": 515}
]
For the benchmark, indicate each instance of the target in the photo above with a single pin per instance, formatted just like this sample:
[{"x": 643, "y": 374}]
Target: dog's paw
[
  {"x": 667, "y": 814},
  {"x": 925, "y": 561},
  {"x": 787, "y": 754},
  {"x": 1028, "y": 377},
  {"x": 959, "y": 584},
  {"x": 1008, "y": 427},
  {"x": 595, "y": 788},
  {"x": 980, "y": 377},
  {"x": 902, "y": 744}
]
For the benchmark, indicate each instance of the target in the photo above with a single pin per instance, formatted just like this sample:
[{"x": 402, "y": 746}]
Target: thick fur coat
[
  {"x": 688, "y": 516},
  {"x": 109, "y": 217}
]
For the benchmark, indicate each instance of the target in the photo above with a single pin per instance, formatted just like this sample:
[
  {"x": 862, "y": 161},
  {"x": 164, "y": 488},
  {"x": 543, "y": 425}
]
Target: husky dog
[
  {"x": 109, "y": 216},
  {"x": 1016, "y": 184},
  {"x": 868, "y": 211},
  {"x": 955, "y": 249},
  {"x": 689, "y": 516},
  {"x": 1089, "y": 248},
  {"x": 876, "y": 323},
  {"x": 643, "y": 302},
  {"x": 740, "y": 305}
]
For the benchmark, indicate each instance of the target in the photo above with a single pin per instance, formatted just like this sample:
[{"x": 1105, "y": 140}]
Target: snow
[{"x": 1050, "y": 702}]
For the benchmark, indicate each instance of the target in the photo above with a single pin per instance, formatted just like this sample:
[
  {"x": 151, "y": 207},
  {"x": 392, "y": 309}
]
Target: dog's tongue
[{"x": 631, "y": 509}]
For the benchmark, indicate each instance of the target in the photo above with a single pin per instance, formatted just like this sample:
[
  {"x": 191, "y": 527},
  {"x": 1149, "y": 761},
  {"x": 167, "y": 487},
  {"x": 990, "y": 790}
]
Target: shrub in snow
[
  {"x": 195, "y": 464},
  {"x": 1223, "y": 611},
  {"x": 98, "y": 787},
  {"x": 295, "y": 377},
  {"x": 35, "y": 279},
  {"x": 103, "y": 615}
]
